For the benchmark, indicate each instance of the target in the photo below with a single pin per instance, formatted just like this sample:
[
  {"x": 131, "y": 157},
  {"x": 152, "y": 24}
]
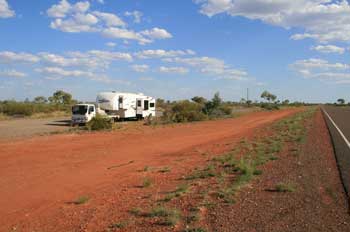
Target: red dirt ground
[
  {"x": 319, "y": 202},
  {"x": 39, "y": 176}
]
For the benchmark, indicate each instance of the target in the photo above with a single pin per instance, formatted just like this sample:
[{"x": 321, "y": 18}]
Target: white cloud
[
  {"x": 157, "y": 33},
  {"x": 322, "y": 70},
  {"x": 71, "y": 60},
  {"x": 211, "y": 66},
  {"x": 105, "y": 55},
  {"x": 63, "y": 8},
  {"x": 143, "y": 37},
  {"x": 59, "y": 10},
  {"x": 110, "y": 20},
  {"x": 140, "y": 68},
  {"x": 90, "y": 60},
  {"x": 76, "y": 18},
  {"x": 12, "y": 73},
  {"x": 121, "y": 33},
  {"x": 323, "y": 20},
  {"x": 137, "y": 15},
  {"x": 5, "y": 10},
  {"x": 59, "y": 72},
  {"x": 111, "y": 44},
  {"x": 159, "y": 53},
  {"x": 318, "y": 64},
  {"x": 176, "y": 70},
  {"x": 12, "y": 57},
  {"x": 328, "y": 49},
  {"x": 78, "y": 23}
]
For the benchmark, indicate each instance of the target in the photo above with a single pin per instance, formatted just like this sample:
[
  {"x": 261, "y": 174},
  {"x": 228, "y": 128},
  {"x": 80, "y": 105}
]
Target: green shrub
[
  {"x": 269, "y": 106},
  {"x": 81, "y": 200},
  {"x": 147, "y": 182},
  {"x": 186, "y": 111},
  {"x": 285, "y": 187},
  {"x": 99, "y": 123},
  {"x": 14, "y": 108}
]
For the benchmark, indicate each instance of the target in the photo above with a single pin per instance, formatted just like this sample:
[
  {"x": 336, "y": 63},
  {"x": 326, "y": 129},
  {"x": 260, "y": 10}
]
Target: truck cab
[{"x": 83, "y": 113}]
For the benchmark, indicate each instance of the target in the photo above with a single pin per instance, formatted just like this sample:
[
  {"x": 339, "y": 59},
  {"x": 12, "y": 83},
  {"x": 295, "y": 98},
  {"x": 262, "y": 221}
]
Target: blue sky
[{"x": 298, "y": 50}]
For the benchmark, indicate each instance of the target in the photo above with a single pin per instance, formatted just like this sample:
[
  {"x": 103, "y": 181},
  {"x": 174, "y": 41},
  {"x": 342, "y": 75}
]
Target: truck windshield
[{"x": 79, "y": 110}]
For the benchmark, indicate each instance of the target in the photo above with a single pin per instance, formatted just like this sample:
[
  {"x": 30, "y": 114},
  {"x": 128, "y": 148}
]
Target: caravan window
[
  {"x": 146, "y": 102},
  {"x": 120, "y": 102},
  {"x": 139, "y": 103},
  {"x": 151, "y": 105}
]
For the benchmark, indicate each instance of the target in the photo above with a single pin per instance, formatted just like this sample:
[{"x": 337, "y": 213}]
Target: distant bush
[
  {"x": 269, "y": 106},
  {"x": 14, "y": 108},
  {"x": 186, "y": 111},
  {"x": 99, "y": 123},
  {"x": 198, "y": 109},
  {"x": 59, "y": 102}
]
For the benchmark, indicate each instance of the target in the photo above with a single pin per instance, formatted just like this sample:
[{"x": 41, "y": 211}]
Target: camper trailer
[
  {"x": 116, "y": 106},
  {"x": 119, "y": 105}
]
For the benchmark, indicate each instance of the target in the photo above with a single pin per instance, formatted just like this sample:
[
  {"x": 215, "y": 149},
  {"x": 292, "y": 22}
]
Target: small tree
[
  {"x": 285, "y": 102},
  {"x": 40, "y": 100},
  {"x": 61, "y": 97},
  {"x": 214, "y": 104},
  {"x": 341, "y": 101},
  {"x": 268, "y": 96},
  {"x": 199, "y": 100}
]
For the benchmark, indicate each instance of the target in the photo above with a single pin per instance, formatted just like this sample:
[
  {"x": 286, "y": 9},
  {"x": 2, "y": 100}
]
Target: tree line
[{"x": 59, "y": 101}]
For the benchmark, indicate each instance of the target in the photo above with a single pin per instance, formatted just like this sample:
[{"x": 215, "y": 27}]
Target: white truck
[
  {"x": 82, "y": 113},
  {"x": 115, "y": 105}
]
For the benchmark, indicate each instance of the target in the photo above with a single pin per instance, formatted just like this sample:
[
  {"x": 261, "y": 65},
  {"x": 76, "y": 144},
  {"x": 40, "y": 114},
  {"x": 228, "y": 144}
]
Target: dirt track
[
  {"x": 23, "y": 128},
  {"x": 40, "y": 175}
]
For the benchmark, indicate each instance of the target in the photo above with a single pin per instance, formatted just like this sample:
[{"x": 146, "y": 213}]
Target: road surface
[{"x": 338, "y": 121}]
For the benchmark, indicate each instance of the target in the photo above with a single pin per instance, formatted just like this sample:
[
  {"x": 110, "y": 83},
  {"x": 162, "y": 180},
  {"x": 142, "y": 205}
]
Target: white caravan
[
  {"x": 119, "y": 105},
  {"x": 82, "y": 113}
]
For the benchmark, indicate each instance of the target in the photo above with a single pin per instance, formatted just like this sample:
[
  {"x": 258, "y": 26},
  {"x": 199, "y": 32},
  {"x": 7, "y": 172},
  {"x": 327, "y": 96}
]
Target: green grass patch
[
  {"x": 81, "y": 200},
  {"x": 165, "y": 169},
  {"x": 147, "y": 182},
  {"x": 118, "y": 225},
  {"x": 285, "y": 187},
  {"x": 135, "y": 211},
  {"x": 167, "y": 216},
  {"x": 179, "y": 191},
  {"x": 198, "y": 229},
  {"x": 203, "y": 174}
]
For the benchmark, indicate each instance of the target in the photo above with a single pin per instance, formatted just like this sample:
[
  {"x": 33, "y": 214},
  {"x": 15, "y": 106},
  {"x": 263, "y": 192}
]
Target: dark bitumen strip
[{"x": 341, "y": 117}]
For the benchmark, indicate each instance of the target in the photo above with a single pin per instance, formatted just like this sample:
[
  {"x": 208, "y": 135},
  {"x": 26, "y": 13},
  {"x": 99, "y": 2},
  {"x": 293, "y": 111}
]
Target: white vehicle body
[
  {"x": 119, "y": 105},
  {"x": 83, "y": 113}
]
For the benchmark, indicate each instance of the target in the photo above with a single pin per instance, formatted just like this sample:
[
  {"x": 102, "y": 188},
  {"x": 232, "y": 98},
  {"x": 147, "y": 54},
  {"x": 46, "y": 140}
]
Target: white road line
[{"x": 335, "y": 125}]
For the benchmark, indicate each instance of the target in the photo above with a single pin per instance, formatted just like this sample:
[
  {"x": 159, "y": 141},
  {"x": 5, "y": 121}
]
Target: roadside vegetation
[
  {"x": 222, "y": 178},
  {"x": 200, "y": 109},
  {"x": 99, "y": 123},
  {"x": 58, "y": 104}
]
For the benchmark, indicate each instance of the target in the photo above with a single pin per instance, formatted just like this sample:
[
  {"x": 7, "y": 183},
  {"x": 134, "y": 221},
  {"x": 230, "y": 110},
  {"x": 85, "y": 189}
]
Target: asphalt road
[{"x": 341, "y": 119}]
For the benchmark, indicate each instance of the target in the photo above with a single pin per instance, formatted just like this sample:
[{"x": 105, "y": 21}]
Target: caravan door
[{"x": 139, "y": 108}]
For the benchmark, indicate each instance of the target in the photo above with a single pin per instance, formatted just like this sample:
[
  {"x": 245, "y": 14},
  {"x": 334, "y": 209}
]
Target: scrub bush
[
  {"x": 186, "y": 111},
  {"x": 99, "y": 123}
]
